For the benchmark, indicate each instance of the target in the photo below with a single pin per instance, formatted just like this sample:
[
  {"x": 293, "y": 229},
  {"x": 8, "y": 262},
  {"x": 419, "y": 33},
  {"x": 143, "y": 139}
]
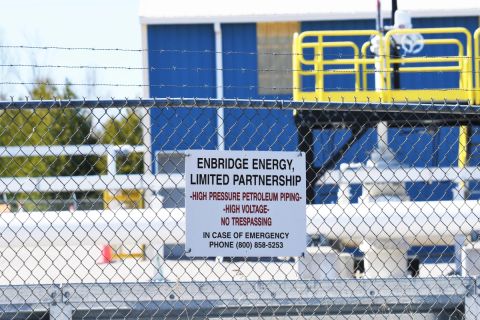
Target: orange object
[{"x": 107, "y": 254}]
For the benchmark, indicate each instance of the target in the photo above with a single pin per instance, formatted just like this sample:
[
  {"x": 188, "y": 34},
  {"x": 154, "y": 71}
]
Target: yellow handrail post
[
  {"x": 296, "y": 68},
  {"x": 384, "y": 57},
  {"x": 318, "y": 58},
  {"x": 364, "y": 64},
  {"x": 463, "y": 134},
  {"x": 468, "y": 57},
  {"x": 476, "y": 58},
  {"x": 356, "y": 55}
]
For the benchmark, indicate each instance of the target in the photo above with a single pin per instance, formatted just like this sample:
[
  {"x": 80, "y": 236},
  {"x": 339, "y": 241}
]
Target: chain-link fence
[{"x": 93, "y": 222}]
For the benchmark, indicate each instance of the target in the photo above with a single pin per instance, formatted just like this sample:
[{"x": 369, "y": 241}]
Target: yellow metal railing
[
  {"x": 464, "y": 67},
  {"x": 320, "y": 64},
  {"x": 426, "y": 42},
  {"x": 360, "y": 66}
]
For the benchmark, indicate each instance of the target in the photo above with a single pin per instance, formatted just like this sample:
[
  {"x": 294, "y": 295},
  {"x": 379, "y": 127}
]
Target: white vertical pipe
[
  {"x": 219, "y": 84},
  {"x": 382, "y": 132},
  {"x": 145, "y": 115},
  {"x": 382, "y": 128},
  {"x": 217, "y": 27}
]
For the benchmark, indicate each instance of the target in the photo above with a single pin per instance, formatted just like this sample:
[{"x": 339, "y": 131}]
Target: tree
[
  {"x": 45, "y": 127},
  {"x": 66, "y": 126},
  {"x": 126, "y": 130},
  {"x": 56, "y": 126}
]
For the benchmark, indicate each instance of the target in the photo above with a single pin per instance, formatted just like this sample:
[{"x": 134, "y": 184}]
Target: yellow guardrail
[
  {"x": 426, "y": 42},
  {"x": 465, "y": 89},
  {"x": 318, "y": 62},
  {"x": 360, "y": 66}
]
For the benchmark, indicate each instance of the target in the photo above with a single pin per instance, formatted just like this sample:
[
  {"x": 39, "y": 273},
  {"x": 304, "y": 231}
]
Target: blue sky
[{"x": 86, "y": 23}]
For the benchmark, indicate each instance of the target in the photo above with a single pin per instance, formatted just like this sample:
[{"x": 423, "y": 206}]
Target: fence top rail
[
  {"x": 374, "y": 106},
  {"x": 69, "y": 150}
]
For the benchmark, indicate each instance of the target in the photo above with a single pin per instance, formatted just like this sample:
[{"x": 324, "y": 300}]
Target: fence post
[
  {"x": 155, "y": 253},
  {"x": 59, "y": 309},
  {"x": 472, "y": 307},
  {"x": 472, "y": 302}
]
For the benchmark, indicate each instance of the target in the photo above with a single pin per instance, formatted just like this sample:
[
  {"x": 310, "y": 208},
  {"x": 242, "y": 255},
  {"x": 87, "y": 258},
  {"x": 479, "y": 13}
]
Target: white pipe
[
  {"x": 176, "y": 181},
  {"x": 363, "y": 175},
  {"x": 145, "y": 114},
  {"x": 173, "y": 181},
  {"x": 418, "y": 223},
  {"x": 382, "y": 136},
  {"x": 91, "y": 183},
  {"x": 219, "y": 84},
  {"x": 111, "y": 165},
  {"x": 88, "y": 228}
]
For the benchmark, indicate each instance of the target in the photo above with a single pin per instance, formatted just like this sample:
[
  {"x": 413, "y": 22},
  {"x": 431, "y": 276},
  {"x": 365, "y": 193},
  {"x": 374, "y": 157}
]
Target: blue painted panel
[
  {"x": 182, "y": 64},
  {"x": 426, "y": 254},
  {"x": 433, "y": 254},
  {"x": 251, "y": 129}
]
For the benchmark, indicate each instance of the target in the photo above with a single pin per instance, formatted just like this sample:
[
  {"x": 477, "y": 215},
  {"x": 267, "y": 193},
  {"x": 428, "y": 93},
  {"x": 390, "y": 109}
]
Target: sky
[{"x": 73, "y": 24}]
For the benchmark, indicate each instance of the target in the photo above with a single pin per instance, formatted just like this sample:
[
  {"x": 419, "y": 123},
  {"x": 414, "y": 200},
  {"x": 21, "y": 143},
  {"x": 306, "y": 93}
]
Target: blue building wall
[
  {"x": 182, "y": 63},
  {"x": 251, "y": 129}
]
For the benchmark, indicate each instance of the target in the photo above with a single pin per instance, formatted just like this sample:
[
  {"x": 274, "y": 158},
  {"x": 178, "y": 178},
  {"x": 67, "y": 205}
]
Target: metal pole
[
  {"x": 395, "y": 51},
  {"x": 148, "y": 161},
  {"x": 382, "y": 128},
  {"x": 219, "y": 84},
  {"x": 378, "y": 20}
]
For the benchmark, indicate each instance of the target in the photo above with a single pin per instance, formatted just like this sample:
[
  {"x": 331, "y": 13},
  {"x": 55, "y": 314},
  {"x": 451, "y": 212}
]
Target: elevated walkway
[{"x": 331, "y": 67}]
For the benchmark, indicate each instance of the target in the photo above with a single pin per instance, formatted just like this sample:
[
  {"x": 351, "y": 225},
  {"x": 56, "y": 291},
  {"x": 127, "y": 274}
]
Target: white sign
[{"x": 245, "y": 203}]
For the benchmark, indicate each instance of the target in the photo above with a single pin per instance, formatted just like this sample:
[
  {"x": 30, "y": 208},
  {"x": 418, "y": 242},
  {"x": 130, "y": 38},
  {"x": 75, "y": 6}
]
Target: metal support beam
[
  {"x": 305, "y": 144},
  {"x": 357, "y": 133}
]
